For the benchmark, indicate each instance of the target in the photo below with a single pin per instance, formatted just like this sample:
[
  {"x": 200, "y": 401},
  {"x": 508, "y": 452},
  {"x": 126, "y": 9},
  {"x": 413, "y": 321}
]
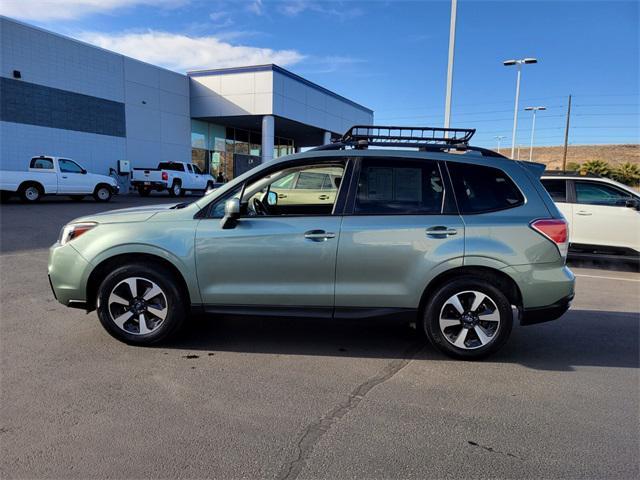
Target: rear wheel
[
  {"x": 30, "y": 192},
  {"x": 468, "y": 318},
  {"x": 143, "y": 191},
  {"x": 176, "y": 189},
  {"x": 140, "y": 304},
  {"x": 102, "y": 193}
]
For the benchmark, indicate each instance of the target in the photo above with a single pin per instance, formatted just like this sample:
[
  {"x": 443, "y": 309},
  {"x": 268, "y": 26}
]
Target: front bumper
[
  {"x": 68, "y": 271},
  {"x": 531, "y": 316}
]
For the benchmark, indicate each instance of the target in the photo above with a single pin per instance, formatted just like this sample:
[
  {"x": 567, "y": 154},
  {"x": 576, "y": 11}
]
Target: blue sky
[{"x": 391, "y": 55}]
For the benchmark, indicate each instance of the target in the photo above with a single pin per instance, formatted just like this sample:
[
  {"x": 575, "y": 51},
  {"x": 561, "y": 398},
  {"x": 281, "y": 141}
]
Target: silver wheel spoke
[
  {"x": 153, "y": 292},
  {"x": 115, "y": 298},
  {"x": 490, "y": 317},
  {"x": 455, "y": 302},
  {"x": 482, "y": 336},
  {"x": 447, "y": 322},
  {"x": 462, "y": 336},
  {"x": 160, "y": 313},
  {"x": 143, "y": 324},
  {"x": 120, "y": 320},
  {"x": 133, "y": 286},
  {"x": 477, "y": 301}
]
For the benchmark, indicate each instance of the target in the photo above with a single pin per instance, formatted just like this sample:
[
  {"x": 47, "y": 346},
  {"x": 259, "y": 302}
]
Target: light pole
[
  {"x": 518, "y": 63},
  {"x": 499, "y": 138},
  {"x": 452, "y": 47},
  {"x": 533, "y": 126}
]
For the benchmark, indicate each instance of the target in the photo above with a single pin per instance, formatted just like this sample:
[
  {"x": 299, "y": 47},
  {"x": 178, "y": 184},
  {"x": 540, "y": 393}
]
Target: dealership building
[{"x": 63, "y": 97}]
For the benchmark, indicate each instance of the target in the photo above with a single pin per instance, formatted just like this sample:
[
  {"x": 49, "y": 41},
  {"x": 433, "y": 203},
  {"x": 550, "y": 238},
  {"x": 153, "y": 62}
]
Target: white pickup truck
[
  {"x": 56, "y": 176},
  {"x": 177, "y": 177}
]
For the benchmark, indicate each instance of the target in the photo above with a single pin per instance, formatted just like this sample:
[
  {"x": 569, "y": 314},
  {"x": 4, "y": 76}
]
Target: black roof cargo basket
[{"x": 434, "y": 139}]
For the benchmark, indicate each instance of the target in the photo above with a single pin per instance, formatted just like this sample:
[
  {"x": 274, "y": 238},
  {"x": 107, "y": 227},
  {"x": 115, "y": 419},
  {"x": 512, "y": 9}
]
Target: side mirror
[
  {"x": 632, "y": 203},
  {"x": 231, "y": 214},
  {"x": 272, "y": 199},
  {"x": 83, "y": 171}
]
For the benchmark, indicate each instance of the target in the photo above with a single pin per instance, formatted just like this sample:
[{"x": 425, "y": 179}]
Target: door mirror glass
[
  {"x": 83, "y": 171},
  {"x": 272, "y": 199},
  {"x": 231, "y": 213}
]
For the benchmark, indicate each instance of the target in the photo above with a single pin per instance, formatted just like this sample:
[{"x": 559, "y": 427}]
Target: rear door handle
[
  {"x": 318, "y": 235},
  {"x": 323, "y": 197},
  {"x": 441, "y": 232},
  {"x": 64, "y": 176},
  {"x": 584, "y": 213}
]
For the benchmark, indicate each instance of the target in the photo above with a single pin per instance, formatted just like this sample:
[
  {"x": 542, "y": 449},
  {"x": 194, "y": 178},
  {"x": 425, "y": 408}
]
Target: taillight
[
  {"x": 556, "y": 230},
  {"x": 165, "y": 176}
]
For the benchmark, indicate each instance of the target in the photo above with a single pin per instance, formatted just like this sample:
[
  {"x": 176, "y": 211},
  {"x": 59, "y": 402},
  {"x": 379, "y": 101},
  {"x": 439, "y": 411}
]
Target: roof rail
[
  {"x": 570, "y": 173},
  {"x": 431, "y": 139}
]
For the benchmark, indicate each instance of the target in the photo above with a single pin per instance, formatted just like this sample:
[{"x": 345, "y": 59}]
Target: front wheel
[
  {"x": 468, "y": 318},
  {"x": 140, "y": 304},
  {"x": 102, "y": 193}
]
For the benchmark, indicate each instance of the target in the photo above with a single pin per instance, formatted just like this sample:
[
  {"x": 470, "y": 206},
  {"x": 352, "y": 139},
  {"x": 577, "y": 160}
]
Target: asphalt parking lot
[{"x": 286, "y": 399}]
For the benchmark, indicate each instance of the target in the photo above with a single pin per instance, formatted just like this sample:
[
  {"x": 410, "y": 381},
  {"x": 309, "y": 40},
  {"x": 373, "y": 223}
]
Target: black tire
[
  {"x": 474, "y": 349},
  {"x": 77, "y": 198},
  {"x": 175, "y": 304},
  {"x": 102, "y": 193},
  {"x": 30, "y": 192},
  {"x": 144, "y": 192},
  {"x": 176, "y": 189},
  {"x": 208, "y": 188}
]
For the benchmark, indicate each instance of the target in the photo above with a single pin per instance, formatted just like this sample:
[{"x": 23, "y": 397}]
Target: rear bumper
[{"x": 531, "y": 316}]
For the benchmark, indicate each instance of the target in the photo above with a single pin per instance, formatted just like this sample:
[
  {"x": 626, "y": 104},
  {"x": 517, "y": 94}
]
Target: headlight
[{"x": 74, "y": 230}]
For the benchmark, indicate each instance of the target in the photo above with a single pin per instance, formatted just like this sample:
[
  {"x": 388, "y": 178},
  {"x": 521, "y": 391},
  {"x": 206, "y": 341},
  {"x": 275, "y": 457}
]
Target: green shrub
[
  {"x": 628, "y": 173},
  {"x": 596, "y": 167},
  {"x": 573, "y": 167}
]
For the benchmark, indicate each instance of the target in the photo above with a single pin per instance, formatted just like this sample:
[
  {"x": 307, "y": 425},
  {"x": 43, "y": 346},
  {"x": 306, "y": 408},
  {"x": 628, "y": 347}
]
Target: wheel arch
[
  {"x": 107, "y": 265},
  {"x": 501, "y": 279},
  {"x": 35, "y": 183}
]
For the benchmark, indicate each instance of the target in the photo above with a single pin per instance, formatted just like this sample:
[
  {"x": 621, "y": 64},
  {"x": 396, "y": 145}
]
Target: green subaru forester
[{"x": 459, "y": 239}]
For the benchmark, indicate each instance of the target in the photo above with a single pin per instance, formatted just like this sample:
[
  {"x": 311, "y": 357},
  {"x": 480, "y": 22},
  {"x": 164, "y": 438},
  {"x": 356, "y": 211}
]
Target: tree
[
  {"x": 628, "y": 173},
  {"x": 596, "y": 167}
]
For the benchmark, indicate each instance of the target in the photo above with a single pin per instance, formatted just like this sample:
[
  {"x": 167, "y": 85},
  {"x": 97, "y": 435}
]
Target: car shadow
[
  {"x": 579, "y": 338},
  {"x": 617, "y": 265}
]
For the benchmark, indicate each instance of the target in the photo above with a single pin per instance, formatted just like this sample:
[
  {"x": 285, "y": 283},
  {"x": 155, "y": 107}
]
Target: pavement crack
[
  {"x": 313, "y": 432},
  {"x": 492, "y": 450}
]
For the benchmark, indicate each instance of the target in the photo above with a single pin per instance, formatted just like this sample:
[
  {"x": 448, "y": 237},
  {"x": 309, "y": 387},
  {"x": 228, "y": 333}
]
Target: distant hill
[{"x": 552, "y": 156}]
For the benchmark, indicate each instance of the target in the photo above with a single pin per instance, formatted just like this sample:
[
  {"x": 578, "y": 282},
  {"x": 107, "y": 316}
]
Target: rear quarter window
[
  {"x": 480, "y": 189},
  {"x": 557, "y": 189}
]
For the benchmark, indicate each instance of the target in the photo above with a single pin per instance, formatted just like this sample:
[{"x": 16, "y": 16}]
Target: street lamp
[
  {"x": 533, "y": 126},
  {"x": 452, "y": 48},
  {"x": 518, "y": 63},
  {"x": 499, "y": 138}
]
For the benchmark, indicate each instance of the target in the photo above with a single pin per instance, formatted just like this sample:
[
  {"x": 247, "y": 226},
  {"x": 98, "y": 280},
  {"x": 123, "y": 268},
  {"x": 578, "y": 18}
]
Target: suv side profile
[
  {"x": 604, "y": 215},
  {"x": 455, "y": 242}
]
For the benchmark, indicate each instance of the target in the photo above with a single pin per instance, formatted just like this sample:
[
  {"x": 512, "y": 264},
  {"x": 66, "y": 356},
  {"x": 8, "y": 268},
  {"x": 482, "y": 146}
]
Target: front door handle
[
  {"x": 318, "y": 235},
  {"x": 64, "y": 176},
  {"x": 441, "y": 232},
  {"x": 282, "y": 195},
  {"x": 323, "y": 197},
  {"x": 584, "y": 213}
]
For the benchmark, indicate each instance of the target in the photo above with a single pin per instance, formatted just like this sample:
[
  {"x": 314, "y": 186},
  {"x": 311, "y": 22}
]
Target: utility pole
[
  {"x": 499, "y": 138},
  {"x": 452, "y": 47},
  {"x": 566, "y": 136}
]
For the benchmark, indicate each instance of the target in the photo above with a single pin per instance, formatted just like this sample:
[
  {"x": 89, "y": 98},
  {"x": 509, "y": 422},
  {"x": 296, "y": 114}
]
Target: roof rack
[{"x": 433, "y": 139}]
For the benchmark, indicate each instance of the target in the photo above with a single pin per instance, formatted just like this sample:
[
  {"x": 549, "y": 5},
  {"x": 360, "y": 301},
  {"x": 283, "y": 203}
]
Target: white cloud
[
  {"x": 70, "y": 9},
  {"x": 182, "y": 53},
  {"x": 256, "y": 7}
]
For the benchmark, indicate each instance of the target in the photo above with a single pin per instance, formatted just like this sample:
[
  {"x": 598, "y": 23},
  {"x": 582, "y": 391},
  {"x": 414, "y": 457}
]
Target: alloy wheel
[
  {"x": 137, "y": 305},
  {"x": 470, "y": 320}
]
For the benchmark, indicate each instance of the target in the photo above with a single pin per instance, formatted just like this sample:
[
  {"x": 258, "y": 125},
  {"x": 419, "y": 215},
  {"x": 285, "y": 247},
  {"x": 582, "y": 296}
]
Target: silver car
[{"x": 456, "y": 242}]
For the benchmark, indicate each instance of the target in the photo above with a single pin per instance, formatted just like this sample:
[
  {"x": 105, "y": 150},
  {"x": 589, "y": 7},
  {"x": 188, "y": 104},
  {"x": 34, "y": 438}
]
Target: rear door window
[
  {"x": 482, "y": 189},
  {"x": 556, "y": 188},
  {"x": 389, "y": 186}
]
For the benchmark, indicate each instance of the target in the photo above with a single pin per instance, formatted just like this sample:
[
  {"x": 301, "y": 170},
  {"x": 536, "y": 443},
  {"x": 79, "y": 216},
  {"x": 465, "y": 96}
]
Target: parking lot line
[{"x": 608, "y": 278}]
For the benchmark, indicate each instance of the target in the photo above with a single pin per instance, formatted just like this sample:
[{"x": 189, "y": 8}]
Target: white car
[
  {"x": 48, "y": 175},
  {"x": 176, "y": 177},
  {"x": 603, "y": 215}
]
